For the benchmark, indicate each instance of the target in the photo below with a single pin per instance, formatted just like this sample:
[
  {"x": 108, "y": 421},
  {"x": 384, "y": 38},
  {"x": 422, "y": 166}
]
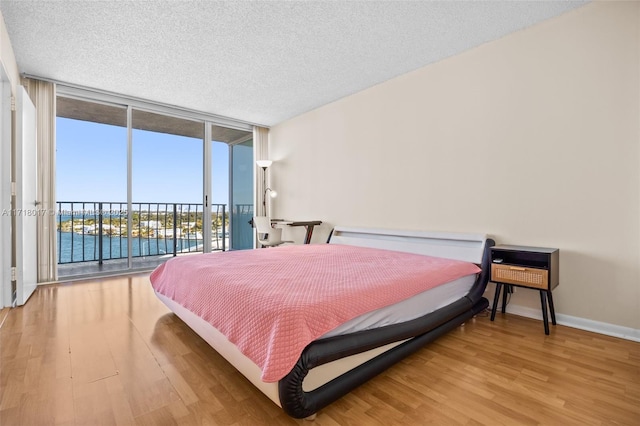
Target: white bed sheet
[{"x": 412, "y": 308}]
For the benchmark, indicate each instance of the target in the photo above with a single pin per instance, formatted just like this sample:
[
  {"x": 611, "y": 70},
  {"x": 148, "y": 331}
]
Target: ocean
[{"x": 75, "y": 247}]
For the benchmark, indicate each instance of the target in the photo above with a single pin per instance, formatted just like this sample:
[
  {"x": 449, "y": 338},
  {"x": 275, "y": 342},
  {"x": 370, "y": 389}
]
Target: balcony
[{"x": 93, "y": 237}]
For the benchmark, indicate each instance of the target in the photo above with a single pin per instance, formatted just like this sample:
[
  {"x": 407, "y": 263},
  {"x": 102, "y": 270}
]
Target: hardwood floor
[{"x": 108, "y": 352}]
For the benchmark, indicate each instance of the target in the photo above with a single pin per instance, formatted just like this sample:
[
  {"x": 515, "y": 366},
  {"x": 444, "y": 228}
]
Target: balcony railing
[{"x": 98, "y": 231}]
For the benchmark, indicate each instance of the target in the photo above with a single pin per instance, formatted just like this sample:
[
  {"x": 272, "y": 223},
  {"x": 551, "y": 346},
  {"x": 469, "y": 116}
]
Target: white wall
[
  {"x": 7, "y": 58},
  {"x": 533, "y": 138},
  {"x": 9, "y": 80}
]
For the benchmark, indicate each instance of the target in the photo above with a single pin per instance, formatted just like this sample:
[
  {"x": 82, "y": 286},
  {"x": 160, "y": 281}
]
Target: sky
[{"x": 91, "y": 165}]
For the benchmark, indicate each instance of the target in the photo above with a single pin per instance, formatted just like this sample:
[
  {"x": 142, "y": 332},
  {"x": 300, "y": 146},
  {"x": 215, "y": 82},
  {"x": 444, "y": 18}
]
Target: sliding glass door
[
  {"x": 242, "y": 167},
  {"x": 134, "y": 188},
  {"x": 220, "y": 211},
  {"x": 232, "y": 181},
  {"x": 167, "y": 185},
  {"x": 91, "y": 186}
]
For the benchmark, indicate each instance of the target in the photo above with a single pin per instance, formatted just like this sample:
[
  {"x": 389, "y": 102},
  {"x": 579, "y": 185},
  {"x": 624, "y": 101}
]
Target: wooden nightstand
[{"x": 529, "y": 267}]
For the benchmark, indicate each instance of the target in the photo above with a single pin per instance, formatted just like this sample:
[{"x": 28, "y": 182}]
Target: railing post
[
  {"x": 224, "y": 228},
  {"x": 175, "y": 227},
  {"x": 100, "y": 233},
  {"x": 59, "y": 232},
  {"x": 72, "y": 232}
]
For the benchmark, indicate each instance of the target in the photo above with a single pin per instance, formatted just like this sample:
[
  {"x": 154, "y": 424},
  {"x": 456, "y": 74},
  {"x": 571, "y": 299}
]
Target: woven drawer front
[{"x": 531, "y": 277}]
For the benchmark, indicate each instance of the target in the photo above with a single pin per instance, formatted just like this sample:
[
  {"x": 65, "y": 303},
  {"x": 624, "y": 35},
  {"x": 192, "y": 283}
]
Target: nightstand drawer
[{"x": 530, "y": 277}]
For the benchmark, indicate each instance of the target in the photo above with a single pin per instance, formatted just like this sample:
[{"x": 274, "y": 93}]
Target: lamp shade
[{"x": 264, "y": 163}]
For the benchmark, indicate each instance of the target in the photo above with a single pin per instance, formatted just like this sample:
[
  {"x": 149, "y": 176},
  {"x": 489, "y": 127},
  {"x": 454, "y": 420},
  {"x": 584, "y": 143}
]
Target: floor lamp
[{"x": 265, "y": 164}]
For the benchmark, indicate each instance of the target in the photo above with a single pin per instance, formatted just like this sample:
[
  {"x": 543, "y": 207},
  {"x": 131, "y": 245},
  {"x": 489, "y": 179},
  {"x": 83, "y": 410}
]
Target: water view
[
  {"x": 84, "y": 248},
  {"x": 95, "y": 231}
]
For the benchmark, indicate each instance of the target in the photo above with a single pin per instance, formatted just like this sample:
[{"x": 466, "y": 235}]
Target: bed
[{"x": 307, "y": 362}]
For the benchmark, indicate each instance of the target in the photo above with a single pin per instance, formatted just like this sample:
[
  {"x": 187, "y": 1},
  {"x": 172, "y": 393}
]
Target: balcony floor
[{"x": 82, "y": 270}]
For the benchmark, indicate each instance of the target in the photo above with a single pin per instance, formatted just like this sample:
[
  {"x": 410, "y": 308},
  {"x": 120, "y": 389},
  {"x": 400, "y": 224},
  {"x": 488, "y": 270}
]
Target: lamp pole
[
  {"x": 264, "y": 164},
  {"x": 264, "y": 186}
]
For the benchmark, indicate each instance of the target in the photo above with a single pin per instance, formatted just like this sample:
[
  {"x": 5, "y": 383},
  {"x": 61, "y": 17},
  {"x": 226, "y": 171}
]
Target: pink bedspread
[{"x": 271, "y": 303}]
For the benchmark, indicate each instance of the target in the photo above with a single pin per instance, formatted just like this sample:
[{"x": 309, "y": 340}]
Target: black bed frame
[{"x": 300, "y": 404}]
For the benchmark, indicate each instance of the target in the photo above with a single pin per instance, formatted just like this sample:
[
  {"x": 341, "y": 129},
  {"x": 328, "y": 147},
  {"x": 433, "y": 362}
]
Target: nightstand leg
[
  {"x": 495, "y": 301},
  {"x": 551, "y": 308},
  {"x": 505, "y": 291},
  {"x": 545, "y": 319}
]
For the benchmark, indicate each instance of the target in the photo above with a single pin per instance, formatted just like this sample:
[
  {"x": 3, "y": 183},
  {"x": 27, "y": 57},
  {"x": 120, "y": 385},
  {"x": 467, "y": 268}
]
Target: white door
[
  {"x": 26, "y": 205},
  {"x": 5, "y": 192}
]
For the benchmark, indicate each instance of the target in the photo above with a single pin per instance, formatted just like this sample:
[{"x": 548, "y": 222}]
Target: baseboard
[
  {"x": 98, "y": 275},
  {"x": 607, "y": 329}
]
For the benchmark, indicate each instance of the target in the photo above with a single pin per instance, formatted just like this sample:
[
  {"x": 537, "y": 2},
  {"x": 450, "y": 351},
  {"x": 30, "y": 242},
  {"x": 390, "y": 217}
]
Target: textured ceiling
[{"x": 260, "y": 62}]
